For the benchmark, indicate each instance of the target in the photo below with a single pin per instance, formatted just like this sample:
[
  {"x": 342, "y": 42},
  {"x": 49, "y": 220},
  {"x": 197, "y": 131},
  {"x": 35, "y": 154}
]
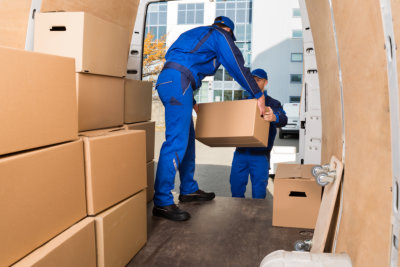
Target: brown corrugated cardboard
[
  {"x": 138, "y": 98},
  {"x": 74, "y": 247},
  {"x": 14, "y": 17},
  {"x": 42, "y": 194},
  {"x": 150, "y": 181},
  {"x": 231, "y": 124},
  {"x": 100, "y": 101},
  {"x": 119, "y": 12},
  {"x": 115, "y": 168},
  {"x": 37, "y": 100},
  {"x": 121, "y": 231},
  {"x": 98, "y": 46},
  {"x": 297, "y": 197},
  {"x": 149, "y": 127}
]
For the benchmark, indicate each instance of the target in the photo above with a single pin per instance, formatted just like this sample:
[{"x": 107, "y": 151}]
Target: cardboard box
[
  {"x": 297, "y": 197},
  {"x": 121, "y": 231},
  {"x": 98, "y": 46},
  {"x": 138, "y": 99},
  {"x": 100, "y": 101},
  {"x": 115, "y": 167},
  {"x": 74, "y": 247},
  {"x": 150, "y": 128},
  {"x": 150, "y": 181},
  {"x": 37, "y": 100},
  {"x": 231, "y": 124},
  {"x": 42, "y": 194},
  {"x": 119, "y": 12}
]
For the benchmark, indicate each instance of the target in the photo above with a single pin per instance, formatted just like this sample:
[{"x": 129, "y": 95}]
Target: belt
[
  {"x": 185, "y": 71},
  {"x": 253, "y": 152}
]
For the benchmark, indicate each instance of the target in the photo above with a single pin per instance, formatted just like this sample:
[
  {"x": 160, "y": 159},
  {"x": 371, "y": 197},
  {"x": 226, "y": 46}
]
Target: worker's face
[{"x": 261, "y": 82}]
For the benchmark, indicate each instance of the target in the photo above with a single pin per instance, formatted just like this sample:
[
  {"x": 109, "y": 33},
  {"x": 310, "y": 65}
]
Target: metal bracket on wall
[{"x": 390, "y": 46}]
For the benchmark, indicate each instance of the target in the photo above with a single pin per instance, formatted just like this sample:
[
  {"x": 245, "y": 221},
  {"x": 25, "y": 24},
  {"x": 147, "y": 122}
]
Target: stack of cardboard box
[
  {"x": 85, "y": 197},
  {"x": 138, "y": 99}
]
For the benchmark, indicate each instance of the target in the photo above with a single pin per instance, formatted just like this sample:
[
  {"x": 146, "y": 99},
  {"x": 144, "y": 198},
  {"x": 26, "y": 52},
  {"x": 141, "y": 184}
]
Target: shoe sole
[
  {"x": 162, "y": 215},
  {"x": 192, "y": 199}
]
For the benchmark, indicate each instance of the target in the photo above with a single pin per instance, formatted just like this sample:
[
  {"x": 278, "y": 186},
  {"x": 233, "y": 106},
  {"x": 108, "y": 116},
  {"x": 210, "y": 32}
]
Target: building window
[
  {"x": 201, "y": 95},
  {"x": 294, "y": 99},
  {"x": 296, "y": 78},
  {"x": 156, "y": 20},
  {"x": 191, "y": 13},
  {"x": 296, "y": 57},
  {"x": 296, "y": 12},
  {"x": 297, "y": 34}
]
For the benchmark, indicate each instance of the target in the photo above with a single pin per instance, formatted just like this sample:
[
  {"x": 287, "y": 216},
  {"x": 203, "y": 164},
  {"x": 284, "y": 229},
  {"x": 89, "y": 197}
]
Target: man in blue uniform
[
  {"x": 195, "y": 54},
  {"x": 255, "y": 160}
]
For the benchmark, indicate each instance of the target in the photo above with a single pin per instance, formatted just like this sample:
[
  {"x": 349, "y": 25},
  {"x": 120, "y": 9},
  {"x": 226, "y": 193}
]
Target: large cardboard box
[
  {"x": 121, "y": 231},
  {"x": 138, "y": 99},
  {"x": 42, "y": 194},
  {"x": 231, "y": 124},
  {"x": 149, "y": 127},
  {"x": 150, "y": 181},
  {"x": 119, "y": 12},
  {"x": 297, "y": 197},
  {"x": 100, "y": 101},
  {"x": 74, "y": 247},
  {"x": 37, "y": 100},
  {"x": 98, "y": 46},
  {"x": 115, "y": 167}
]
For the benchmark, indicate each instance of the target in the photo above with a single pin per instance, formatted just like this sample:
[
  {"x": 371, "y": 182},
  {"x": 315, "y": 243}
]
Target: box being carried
[
  {"x": 98, "y": 46},
  {"x": 297, "y": 197},
  {"x": 231, "y": 124}
]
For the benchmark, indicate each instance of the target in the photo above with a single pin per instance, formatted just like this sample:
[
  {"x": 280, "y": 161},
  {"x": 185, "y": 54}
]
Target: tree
[{"x": 153, "y": 56}]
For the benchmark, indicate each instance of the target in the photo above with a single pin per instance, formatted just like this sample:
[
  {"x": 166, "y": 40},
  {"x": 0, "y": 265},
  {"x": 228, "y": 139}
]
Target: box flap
[{"x": 285, "y": 170}]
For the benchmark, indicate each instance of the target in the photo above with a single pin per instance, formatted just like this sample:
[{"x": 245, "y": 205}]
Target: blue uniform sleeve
[
  {"x": 281, "y": 118},
  {"x": 280, "y": 114},
  {"x": 232, "y": 59}
]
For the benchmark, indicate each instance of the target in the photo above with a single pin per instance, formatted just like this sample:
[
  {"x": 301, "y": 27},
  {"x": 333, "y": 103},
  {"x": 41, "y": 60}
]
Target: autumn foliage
[{"x": 153, "y": 56}]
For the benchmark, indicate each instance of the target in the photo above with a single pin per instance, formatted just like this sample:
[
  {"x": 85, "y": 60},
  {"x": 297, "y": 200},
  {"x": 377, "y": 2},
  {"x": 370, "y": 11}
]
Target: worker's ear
[{"x": 265, "y": 83}]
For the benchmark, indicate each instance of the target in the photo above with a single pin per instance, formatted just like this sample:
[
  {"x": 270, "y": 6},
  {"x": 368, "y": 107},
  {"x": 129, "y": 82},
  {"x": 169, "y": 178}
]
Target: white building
[{"x": 268, "y": 34}]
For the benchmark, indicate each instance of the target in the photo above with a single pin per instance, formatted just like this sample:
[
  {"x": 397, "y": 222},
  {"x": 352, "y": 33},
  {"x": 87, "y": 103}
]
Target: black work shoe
[
  {"x": 199, "y": 195},
  {"x": 171, "y": 212}
]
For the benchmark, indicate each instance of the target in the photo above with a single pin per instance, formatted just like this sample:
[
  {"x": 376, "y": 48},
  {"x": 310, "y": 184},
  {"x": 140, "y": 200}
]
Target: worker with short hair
[
  {"x": 195, "y": 54},
  {"x": 256, "y": 160}
]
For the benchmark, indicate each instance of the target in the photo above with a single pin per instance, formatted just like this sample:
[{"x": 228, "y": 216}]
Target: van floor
[{"x": 223, "y": 232}]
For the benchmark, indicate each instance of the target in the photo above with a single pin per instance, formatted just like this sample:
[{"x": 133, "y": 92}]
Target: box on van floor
[{"x": 297, "y": 196}]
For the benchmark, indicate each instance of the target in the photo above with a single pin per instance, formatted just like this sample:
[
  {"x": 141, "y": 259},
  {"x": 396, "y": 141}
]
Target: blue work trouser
[
  {"x": 178, "y": 150},
  {"x": 245, "y": 163}
]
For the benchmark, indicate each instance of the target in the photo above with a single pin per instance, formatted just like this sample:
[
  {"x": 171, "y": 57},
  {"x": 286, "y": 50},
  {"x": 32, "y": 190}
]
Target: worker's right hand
[{"x": 261, "y": 105}]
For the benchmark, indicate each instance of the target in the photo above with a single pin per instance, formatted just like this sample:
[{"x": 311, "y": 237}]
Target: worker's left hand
[
  {"x": 269, "y": 114},
  {"x": 196, "y": 108}
]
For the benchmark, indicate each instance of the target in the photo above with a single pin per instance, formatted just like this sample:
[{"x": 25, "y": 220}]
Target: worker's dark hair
[{"x": 219, "y": 24}]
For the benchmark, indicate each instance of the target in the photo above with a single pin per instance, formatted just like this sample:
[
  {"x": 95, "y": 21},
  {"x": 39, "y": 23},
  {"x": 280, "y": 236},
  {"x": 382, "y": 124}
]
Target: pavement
[{"x": 213, "y": 165}]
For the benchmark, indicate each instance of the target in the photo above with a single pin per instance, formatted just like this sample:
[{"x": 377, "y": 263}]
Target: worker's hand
[
  {"x": 269, "y": 114},
  {"x": 261, "y": 105},
  {"x": 196, "y": 108}
]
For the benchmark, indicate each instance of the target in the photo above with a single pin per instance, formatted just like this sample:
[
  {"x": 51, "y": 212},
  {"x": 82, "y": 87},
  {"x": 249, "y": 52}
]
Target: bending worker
[
  {"x": 255, "y": 160},
  {"x": 195, "y": 54}
]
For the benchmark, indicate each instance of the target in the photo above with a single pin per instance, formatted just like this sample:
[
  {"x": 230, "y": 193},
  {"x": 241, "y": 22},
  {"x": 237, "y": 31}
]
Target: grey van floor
[{"x": 223, "y": 232}]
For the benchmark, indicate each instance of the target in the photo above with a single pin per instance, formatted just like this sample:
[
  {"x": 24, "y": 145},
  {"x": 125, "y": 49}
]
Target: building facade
[{"x": 268, "y": 34}]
